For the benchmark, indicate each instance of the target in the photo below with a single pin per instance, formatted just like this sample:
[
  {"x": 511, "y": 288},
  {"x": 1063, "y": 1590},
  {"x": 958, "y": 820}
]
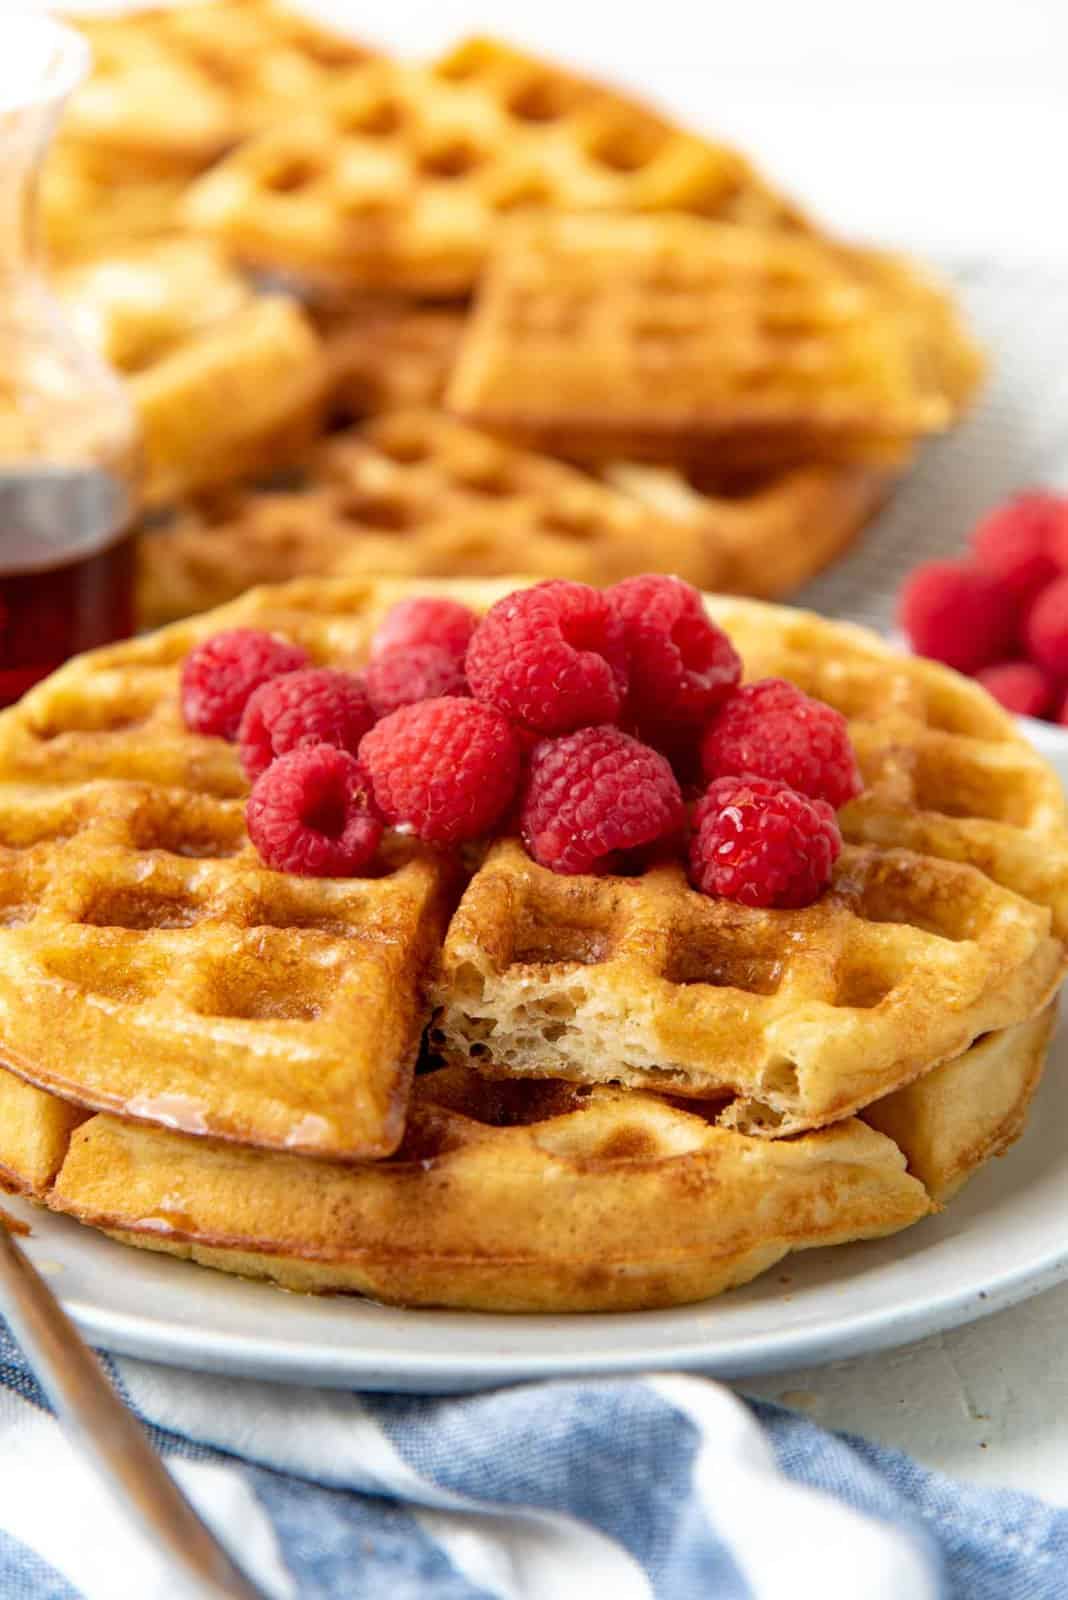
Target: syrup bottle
[{"x": 68, "y": 437}]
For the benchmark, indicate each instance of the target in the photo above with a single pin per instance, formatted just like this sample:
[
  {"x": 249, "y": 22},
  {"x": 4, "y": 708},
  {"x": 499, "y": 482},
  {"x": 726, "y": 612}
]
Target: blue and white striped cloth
[{"x": 657, "y": 1488}]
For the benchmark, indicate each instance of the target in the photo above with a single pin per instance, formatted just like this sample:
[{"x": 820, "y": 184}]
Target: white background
[{"x": 937, "y": 124}]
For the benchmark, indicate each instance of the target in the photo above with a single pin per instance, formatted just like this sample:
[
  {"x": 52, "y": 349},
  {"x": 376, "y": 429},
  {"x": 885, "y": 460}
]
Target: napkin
[{"x": 661, "y": 1487}]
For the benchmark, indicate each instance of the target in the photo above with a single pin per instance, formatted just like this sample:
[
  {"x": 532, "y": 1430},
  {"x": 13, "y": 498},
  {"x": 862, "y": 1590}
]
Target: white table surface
[{"x": 939, "y": 126}]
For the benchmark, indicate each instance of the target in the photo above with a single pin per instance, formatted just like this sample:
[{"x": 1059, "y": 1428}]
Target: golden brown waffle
[
  {"x": 86, "y": 213},
  {"x": 964, "y": 1112},
  {"x": 176, "y": 86},
  {"x": 227, "y": 382},
  {"x": 922, "y": 946},
  {"x": 389, "y": 355},
  {"x": 414, "y": 493},
  {"x": 672, "y": 338},
  {"x": 529, "y": 1196},
  {"x": 774, "y": 531},
  {"x": 955, "y": 850},
  {"x": 511, "y": 1198},
  {"x": 397, "y": 178},
  {"x": 151, "y": 965}
]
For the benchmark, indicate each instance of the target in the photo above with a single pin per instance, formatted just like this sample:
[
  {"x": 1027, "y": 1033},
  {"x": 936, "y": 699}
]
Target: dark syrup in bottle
[{"x": 66, "y": 568}]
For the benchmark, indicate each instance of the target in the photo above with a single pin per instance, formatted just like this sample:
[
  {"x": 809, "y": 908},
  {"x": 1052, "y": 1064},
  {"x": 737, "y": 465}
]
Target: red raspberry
[
  {"x": 551, "y": 657},
  {"x": 447, "y": 769},
  {"x": 445, "y": 623},
  {"x": 221, "y": 674},
  {"x": 1018, "y": 686},
  {"x": 772, "y": 729},
  {"x": 1017, "y": 542},
  {"x": 312, "y": 813},
  {"x": 592, "y": 796},
  {"x": 1046, "y": 629},
  {"x": 403, "y": 677},
  {"x": 959, "y": 615},
  {"x": 317, "y": 706},
  {"x": 680, "y": 666},
  {"x": 762, "y": 844}
]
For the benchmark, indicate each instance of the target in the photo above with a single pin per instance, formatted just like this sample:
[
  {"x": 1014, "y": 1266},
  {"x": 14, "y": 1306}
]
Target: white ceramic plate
[{"x": 1004, "y": 1238}]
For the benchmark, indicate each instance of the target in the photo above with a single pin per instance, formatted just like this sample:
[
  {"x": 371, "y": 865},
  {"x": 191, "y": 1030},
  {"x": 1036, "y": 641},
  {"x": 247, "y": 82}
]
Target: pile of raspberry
[
  {"x": 1001, "y": 614},
  {"x": 583, "y": 719}
]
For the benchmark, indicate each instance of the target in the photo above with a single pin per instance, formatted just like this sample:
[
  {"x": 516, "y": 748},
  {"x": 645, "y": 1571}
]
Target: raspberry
[
  {"x": 312, "y": 813},
  {"x": 404, "y": 676},
  {"x": 680, "y": 666},
  {"x": 221, "y": 674},
  {"x": 447, "y": 768},
  {"x": 774, "y": 730},
  {"x": 445, "y": 623},
  {"x": 959, "y": 615},
  {"x": 317, "y": 706},
  {"x": 762, "y": 844},
  {"x": 1046, "y": 629},
  {"x": 1016, "y": 543},
  {"x": 593, "y": 795},
  {"x": 1018, "y": 686},
  {"x": 551, "y": 657}
]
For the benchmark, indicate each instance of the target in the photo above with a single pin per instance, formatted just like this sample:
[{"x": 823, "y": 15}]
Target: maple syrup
[
  {"x": 66, "y": 569},
  {"x": 68, "y": 435}
]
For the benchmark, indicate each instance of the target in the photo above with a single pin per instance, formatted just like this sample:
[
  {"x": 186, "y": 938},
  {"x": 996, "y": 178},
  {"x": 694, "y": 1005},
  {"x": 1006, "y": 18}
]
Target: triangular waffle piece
[
  {"x": 415, "y": 493},
  {"x": 671, "y": 338},
  {"x": 397, "y": 179},
  {"x": 151, "y": 965},
  {"x": 226, "y": 382},
  {"x": 801, "y": 1017},
  {"x": 531, "y": 1196}
]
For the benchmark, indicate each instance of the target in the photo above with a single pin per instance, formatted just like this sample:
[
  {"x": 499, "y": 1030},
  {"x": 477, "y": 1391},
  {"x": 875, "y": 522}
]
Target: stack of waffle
[
  {"x": 481, "y": 1084},
  {"x": 275, "y": 231}
]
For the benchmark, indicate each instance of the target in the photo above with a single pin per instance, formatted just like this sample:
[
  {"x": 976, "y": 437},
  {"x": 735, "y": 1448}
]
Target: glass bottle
[{"x": 68, "y": 436}]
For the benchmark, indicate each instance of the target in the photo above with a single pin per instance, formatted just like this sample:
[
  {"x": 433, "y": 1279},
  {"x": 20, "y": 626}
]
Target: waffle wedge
[
  {"x": 529, "y": 1196},
  {"x": 227, "y": 382},
  {"x": 671, "y": 338},
  {"x": 414, "y": 493},
  {"x": 397, "y": 178}
]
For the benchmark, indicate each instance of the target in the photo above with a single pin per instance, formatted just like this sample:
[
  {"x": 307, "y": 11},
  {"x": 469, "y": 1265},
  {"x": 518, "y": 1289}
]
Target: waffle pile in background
[
  {"x": 489, "y": 314},
  {"x": 628, "y": 1093}
]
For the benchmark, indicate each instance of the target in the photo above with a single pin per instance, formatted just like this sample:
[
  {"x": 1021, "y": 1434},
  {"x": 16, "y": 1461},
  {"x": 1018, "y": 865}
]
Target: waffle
[
  {"x": 176, "y": 86},
  {"x": 672, "y": 338},
  {"x": 528, "y": 1196},
  {"x": 937, "y": 928},
  {"x": 398, "y": 177},
  {"x": 772, "y": 532},
  {"x": 513, "y": 1198},
  {"x": 226, "y": 382},
  {"x": 932, "y": 936},
  {"x": 86, "y": 213},
  {"x": 952, "y": 1120},
  {"x": 390, "y": 355},
  {"x": 414, "y": 493}
]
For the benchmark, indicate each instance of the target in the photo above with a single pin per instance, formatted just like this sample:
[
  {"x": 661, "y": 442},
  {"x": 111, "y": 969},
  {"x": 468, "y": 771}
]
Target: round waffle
[
  {"x": 529, "y": 1196},
  {"x": 150, "y": 965}
]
